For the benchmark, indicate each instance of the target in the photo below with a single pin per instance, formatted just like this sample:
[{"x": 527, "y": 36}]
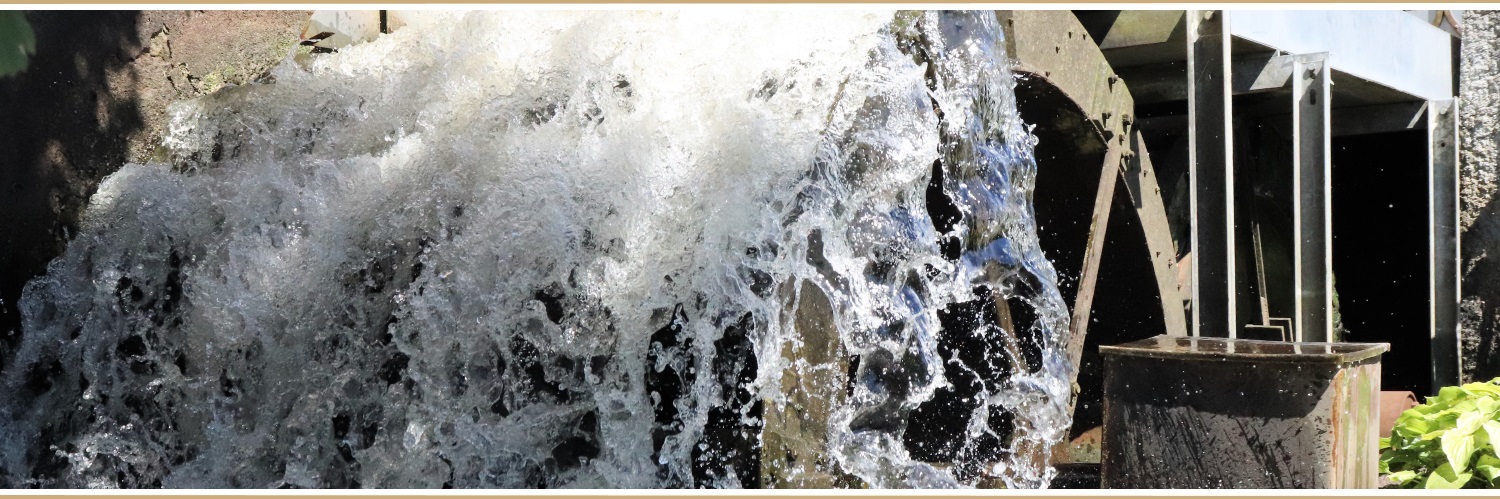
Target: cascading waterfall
[{"x": 577, "y": 249}]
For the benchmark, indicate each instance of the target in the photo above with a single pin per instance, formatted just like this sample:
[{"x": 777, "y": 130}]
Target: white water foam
[{"x": 532, "y": 249}]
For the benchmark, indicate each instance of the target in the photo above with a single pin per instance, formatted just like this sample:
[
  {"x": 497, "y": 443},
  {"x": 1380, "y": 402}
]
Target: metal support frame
[
  {"x": 1398, "y": 50},
  {"x": 1346, "y": 121},
  {"x": 1381, "y": 118},
  {"x": 1442, "y": 223},
  {"x": 1145, "y": 197},
  {"x": 1211, "y": 173},
  {"x": 1093, "y": 254},
  {"x": 1127, "y": 162},
  {"x": 1104, "y": 199},
  {"x": 1312, "y": 255},
  {"x": 1251, "y": 73},
  {"x": 1052, "y": 48}
]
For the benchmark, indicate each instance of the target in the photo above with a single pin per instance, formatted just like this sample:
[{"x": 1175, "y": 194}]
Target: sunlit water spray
[{"x": 523, "y": 249}]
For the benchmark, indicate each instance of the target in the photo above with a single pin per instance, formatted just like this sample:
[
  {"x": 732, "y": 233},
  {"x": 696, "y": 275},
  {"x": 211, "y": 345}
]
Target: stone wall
[{"x": 1479, "y": 216}]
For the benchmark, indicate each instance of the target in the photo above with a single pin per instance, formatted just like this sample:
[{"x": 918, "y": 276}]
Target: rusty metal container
[{"x": 1192, "y": 412}]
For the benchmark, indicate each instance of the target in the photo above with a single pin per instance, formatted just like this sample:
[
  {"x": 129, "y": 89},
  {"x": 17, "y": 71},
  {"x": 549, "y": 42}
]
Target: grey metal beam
[
  {"x": 1443, "y": 257},
  {"x": 1380, "y": 118},
  {"x": 1251, "y": 73},
  {"x": 1255, "y": 73},
  {"x": 1167, "y": 123},
  {"x": 1211, "y": 173},
  {"x": 1260, "y": 72},
  {"x": 1312, "y": 255},
  {"x": 1343, "y": 121},
  {"x": 1390, "y": 47},
  {"x": 1131, "y": 28},
  {"x": 1136, "y": 37}
]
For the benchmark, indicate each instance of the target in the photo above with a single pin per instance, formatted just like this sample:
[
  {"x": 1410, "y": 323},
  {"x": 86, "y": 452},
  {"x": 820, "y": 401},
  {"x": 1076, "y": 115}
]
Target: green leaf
[
  {"x": 1452, "y": 441},
  {"x": 1491, "y": 431},
  {"x": 1483, "y": 389},
  {"x": 1487, "y": 467},
  {"x": 1469, "y": 422},
  {"x": 1458, "y": 446},
  {"x": 1414, "y": 422},
  {"x": 1432, "y": 406},
  {"x": 17, "y": 42},
  {"x": 1445, "y": 478},
  {"x": 1401, "y": 477},
  {"x": 1449, "y": 416},
  {"x": 1450, "y": 393},
  {"x": 1489, "y": 405}
]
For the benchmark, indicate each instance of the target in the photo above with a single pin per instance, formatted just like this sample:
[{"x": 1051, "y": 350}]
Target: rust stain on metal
[{"x": 1336, "y": 457}]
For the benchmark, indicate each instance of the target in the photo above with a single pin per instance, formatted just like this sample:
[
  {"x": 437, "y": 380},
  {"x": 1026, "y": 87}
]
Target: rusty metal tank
[{"x": 1195, "y": 412}]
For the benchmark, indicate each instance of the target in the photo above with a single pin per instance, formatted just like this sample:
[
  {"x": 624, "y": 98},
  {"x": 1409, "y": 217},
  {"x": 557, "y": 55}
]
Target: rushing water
[{"x": 584, "y": 249}]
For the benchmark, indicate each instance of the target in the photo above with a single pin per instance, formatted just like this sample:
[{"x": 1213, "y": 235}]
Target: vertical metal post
[
  {"x": 1312, "y": 256},
  {"x": 1442, "y": 223},
  {"x": 1211, "y": 173}
]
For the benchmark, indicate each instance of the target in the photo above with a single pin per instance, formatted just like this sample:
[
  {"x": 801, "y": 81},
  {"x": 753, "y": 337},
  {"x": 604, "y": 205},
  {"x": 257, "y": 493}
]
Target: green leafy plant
[
  {"x": 1448, "y": 443},
  {"x": 17, "y": 42}
]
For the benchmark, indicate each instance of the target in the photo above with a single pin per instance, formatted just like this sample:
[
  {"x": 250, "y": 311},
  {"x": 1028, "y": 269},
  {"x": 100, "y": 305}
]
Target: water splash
[{"x": 526, "y": 249}]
